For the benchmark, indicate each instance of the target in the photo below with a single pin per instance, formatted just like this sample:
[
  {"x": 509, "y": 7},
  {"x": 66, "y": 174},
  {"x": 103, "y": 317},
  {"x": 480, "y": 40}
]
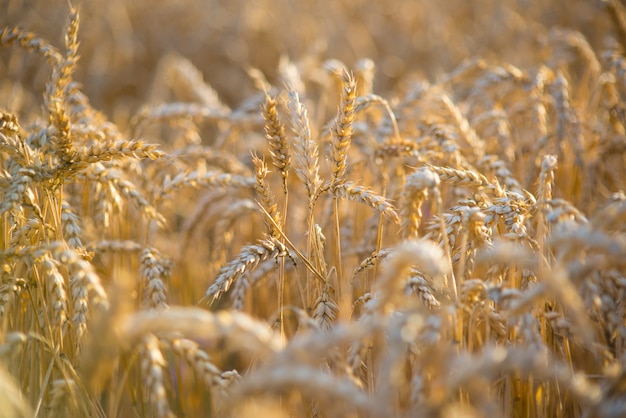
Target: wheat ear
[
  {"x": 306, "y": 149},
  {"x": 341, "y": 131},
  {"x": 249, "y": 257}
]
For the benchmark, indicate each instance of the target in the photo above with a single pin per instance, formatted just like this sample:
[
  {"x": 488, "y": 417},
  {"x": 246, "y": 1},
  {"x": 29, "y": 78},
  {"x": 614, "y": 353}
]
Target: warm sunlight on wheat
[{"x": 313, "y": 209}]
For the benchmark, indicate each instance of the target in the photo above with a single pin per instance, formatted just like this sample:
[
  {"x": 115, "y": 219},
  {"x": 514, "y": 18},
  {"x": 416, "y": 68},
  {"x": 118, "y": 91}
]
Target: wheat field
[{"x": 279, "y": 209}]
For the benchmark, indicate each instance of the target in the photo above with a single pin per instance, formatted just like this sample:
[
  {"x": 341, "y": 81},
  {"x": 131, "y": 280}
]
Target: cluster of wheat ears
[{"x": 457, "y": 250}]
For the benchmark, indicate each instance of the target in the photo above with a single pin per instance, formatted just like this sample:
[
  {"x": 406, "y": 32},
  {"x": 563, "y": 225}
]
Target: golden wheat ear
[
  {"x": 277, "y": 139},
  {"x": 341, "y": 132},
  {"x": 305, "y": 147}
]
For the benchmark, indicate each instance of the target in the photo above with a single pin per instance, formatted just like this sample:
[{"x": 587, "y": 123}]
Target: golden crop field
[{"x": 348, "y": 208}]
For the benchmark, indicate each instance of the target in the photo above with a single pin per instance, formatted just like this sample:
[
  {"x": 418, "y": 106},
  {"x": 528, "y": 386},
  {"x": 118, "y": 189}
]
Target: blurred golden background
[{"x": 123, "y": 41}]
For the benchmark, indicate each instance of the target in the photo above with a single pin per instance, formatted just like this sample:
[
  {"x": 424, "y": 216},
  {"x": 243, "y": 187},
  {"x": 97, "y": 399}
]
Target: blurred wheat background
[
  {"x": 312, "y": 209},
  {"x": 122, "y": 42}
]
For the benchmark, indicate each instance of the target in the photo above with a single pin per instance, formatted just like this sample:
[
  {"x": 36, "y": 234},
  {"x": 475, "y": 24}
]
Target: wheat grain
[
  {"x": 61, "y": 138},
  {"x": 419, "y": 286},
  {"x": 342, "y": 129},
  {"x": 84, "y": 285},
  {"x": 305, "y": 147},
  {"x": 155, "y": 271},
  {"x": 325, "y": 310},
  {"x": 459, "y": 177},
  {"x": 113, "y": 180},
  {"x": 18, "y": 188},
  {"x": 247, "y": 260},
  {"x": 268, "y": 200},
  {"x": 204, "y": 179},
  {"x": 414, "y": 194},
  {"x": 277, "y": 139},
  {"x": 58, "y": 301},
  {"x": 201, "y": 362},
  {"x": 422, "y": 253},
  {"x": 351, "y": 191},
  {"x": 108, "y": 150},
  {"x": 71, "y": 226},
  {"x": 152, "y": 364},
  {"x": 30, "y": 41}
]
